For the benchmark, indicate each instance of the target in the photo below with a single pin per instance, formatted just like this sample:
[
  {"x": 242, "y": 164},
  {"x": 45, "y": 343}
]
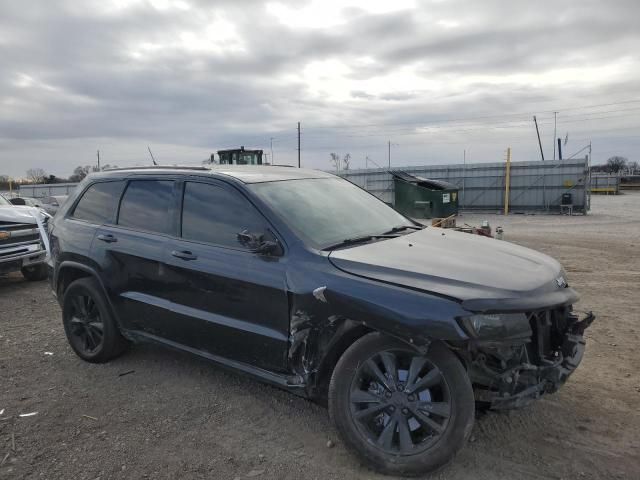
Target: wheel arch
[
  {"x": 321, "y": 354},
  {"x": 320, "y": 382},
  {"x": 70, "y": 271},
  {"x": 67, "y": 273}
]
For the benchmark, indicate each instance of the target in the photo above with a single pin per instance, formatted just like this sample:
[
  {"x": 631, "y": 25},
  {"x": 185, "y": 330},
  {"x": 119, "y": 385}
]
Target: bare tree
[
  {"x": 335, "y": 161},
  {"x": 36, "y": 175},
  {"x": 346, "y": 160},
  {"x": 80, "y": 172},
  {"x": 616, "y": 164}
]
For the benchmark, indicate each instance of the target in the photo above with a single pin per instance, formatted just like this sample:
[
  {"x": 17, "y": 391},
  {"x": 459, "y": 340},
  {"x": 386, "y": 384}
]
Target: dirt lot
[{"x": 175, "y": 416}]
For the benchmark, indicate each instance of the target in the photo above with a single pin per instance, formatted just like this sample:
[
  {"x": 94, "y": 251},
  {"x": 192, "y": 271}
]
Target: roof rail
[{"x": 156, "y": 167}]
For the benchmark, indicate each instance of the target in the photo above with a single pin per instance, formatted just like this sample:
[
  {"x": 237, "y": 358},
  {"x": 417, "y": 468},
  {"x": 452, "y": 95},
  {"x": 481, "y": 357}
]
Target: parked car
[
  {"x": 26, "y": 201},
  {"x": 308, "y": 282},
  {"x": 53, "y": 203},
  {"x": 23, "y": 237}
]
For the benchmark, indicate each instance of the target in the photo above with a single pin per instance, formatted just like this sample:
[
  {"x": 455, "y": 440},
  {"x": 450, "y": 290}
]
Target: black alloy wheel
[
  {"x": 400, "y": 401},
  {"x": 85, "y": 325},
  {"x": 88, "y": 322},
  {"x": 402, "y": 412}
]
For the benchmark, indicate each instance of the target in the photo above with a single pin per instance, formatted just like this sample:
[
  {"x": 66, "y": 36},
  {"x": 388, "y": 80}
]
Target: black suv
[{"x": 310, "y": 283}]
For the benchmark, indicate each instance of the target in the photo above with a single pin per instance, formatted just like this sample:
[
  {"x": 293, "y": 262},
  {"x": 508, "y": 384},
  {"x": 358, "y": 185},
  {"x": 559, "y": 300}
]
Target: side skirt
[{"x": 293, "y": 383}]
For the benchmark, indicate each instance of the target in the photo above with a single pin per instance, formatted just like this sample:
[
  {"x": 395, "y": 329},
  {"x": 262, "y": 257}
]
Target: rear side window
[
  {"x": 216, "y": 215},
  {"x": 146, "y": 205},
  {"x": 98, "y": 203}
]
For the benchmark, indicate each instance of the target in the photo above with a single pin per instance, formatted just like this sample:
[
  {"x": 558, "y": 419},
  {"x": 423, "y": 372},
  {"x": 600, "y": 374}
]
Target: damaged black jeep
[{"x": 309, "y": 283}]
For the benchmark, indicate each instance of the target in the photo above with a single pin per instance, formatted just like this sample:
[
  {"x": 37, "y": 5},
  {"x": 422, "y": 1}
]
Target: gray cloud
[{"x": 74, "y": 77}]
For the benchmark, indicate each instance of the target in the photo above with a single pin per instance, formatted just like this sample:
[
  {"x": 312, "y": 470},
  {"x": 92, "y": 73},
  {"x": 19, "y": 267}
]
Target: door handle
[
  {"x": 184, "y": 255},
  {"x": 107, "y": 238}
]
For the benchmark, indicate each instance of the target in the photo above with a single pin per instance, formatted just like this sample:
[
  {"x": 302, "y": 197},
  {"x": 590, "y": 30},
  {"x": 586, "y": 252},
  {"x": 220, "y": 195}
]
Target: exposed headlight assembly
[{"x": 489, "y": 326}]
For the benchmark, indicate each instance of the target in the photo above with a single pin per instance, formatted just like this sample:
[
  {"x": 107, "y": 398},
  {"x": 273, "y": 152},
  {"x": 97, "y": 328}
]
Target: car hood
[
  {"x": 20, "y": 214},
  {"x": 482, "y": 273}
]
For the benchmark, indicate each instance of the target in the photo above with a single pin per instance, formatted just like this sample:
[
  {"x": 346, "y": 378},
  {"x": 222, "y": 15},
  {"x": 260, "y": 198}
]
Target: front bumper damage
[{"x": 511, "y": 374}]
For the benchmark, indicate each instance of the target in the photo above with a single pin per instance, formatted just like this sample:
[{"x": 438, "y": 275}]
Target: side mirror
[
  {"x": 257, "y": 244},
  {"x": 247, "y": 239},
  {"x": 267, "y": 247}
]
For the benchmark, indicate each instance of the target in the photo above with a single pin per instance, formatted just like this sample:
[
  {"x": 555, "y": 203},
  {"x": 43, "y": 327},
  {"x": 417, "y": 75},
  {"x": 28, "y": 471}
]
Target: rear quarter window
[{"x": 98, "y": 202}]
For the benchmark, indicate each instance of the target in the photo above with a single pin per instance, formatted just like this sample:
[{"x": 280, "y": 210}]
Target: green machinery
[
  {"x": 419, "y": 197},
  {"x": 239, "y": 156}
]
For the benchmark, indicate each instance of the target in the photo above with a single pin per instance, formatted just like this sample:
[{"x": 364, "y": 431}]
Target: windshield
[
  {"x": 325, "y": 211},
  {"x": 4, "y": 201}
]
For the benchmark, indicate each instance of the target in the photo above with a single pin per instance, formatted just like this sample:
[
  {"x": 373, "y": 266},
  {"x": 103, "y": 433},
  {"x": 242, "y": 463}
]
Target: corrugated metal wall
[
  {"x": 535, "y": 186},
  {"x": 46, "y": 190}
]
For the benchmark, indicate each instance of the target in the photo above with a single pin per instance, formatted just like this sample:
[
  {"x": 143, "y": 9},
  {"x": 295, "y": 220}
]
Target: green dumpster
[{"x": 419, "y": 197}]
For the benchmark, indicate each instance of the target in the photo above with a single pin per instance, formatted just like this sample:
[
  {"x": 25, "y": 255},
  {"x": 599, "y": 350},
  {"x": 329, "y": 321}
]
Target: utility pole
[
  {"x": 559, "y": 149},
  {"x": 389, "y": 153},
  {"x": 271, "y": 139},
  {"x": 507, "y": 182},
  {"x": 298, "y": 144},
  {"x": 589, "y": 163},
  {"x": 464, "y": 173},
  {"x": 98, "y": 154},
  {"x": 555, "y": 124},
  {"x": 539, "y": 141}
]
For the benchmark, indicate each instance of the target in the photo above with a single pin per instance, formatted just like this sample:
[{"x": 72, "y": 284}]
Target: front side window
[
  {"x": 98, "y": 202},
  {"x": 146, "y": 205},
  {"x": 216, "y": 215}
]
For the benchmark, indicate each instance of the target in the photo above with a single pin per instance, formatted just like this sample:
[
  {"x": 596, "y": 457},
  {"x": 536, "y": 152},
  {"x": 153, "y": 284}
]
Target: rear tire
[
  {"x": 402, "y": 412},
  {"x": 35, "y": 273},
  {"x": 90, "y": 328}
]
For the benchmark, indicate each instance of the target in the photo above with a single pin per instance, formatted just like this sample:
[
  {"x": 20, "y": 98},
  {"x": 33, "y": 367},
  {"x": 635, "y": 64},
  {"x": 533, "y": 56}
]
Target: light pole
[
  {"x": 389, "y": 152},
  {"x": 271, "y": 139},
  {"x": 555, "y": 124}
]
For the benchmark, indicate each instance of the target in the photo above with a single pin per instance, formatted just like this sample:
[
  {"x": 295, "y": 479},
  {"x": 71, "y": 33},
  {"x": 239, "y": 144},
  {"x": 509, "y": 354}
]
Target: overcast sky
[{"x": 188, "y": 77}]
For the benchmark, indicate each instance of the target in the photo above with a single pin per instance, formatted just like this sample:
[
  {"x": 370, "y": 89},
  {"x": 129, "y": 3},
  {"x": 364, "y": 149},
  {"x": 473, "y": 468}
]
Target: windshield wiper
[
  {"x": 354, "y": 240},
  {"x": 400, "y": 228}
]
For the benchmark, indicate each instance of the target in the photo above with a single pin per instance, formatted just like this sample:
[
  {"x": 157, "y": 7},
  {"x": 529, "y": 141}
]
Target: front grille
[
  {"x": 19, "y": 233},
  {"x": 32, "y": 237},
  {"x": 13, "y": 252}
]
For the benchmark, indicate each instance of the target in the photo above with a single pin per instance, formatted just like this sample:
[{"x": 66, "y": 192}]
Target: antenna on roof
[{"x": 152, "y": 159}]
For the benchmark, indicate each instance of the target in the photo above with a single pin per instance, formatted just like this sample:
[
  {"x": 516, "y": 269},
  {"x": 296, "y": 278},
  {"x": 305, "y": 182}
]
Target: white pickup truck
[{"x": 23, "y": 240}]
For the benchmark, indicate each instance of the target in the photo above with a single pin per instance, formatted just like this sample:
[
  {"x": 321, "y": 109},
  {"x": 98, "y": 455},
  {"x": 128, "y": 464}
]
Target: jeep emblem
[{"x": 562, "y": 283}]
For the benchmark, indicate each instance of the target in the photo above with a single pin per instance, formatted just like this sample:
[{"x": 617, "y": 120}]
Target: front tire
[
  {"x": 90, "y": 328},
  {"x": 402, "y": 412},
  {"x": 35, "y": 273}
]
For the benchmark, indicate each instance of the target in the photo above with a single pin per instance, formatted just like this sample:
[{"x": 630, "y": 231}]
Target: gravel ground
[{"x": 175, "y": 416}]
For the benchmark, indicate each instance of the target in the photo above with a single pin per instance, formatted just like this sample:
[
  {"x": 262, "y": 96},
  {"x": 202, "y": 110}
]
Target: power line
[
  {"x": 521, "y": 114},
  {"x": 471, "y": 126},
  {"x": 444, "y": 129},
  {"x": 521, "y": 139}
]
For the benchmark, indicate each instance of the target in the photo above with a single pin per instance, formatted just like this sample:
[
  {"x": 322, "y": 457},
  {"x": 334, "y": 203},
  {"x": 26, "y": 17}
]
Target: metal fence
[
  {"x": 45, "y": 190},
  {"x": 605, "y": 183},
  {"x": 535, "y": 186}
]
